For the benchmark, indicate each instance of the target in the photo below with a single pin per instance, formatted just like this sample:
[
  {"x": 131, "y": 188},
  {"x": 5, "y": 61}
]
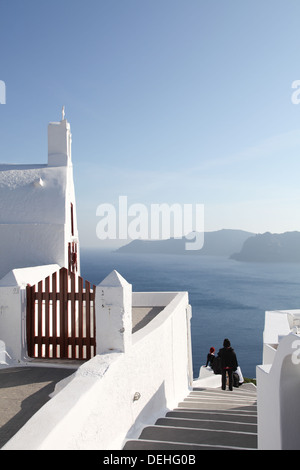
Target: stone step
[
  {"x": 224, "y": 393},
  {"x": 245, "y": 388},
  {"x": 208, "y": 405},
  {"x": 208, "y": 419},
  {"x": 237, "y": 402},
  {"x": 157, "y": 445},
  {"x": 225, "y": 425},
  {"x": 213, "y": 415},
  {"x": 200, "y": 437}
]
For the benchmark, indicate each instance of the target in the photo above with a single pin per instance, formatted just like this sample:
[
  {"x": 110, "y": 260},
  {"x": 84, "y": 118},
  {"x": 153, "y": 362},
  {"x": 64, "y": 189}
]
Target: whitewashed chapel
[
  {"x": 116, "y": 339},
  {"x": 38, "y": 224}
]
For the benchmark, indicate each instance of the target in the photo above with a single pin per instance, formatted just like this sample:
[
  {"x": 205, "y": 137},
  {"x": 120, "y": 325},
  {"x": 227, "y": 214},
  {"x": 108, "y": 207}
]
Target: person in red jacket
[
  {"x": 210, "y": 357},
  {"x": 229, "y": 363}
]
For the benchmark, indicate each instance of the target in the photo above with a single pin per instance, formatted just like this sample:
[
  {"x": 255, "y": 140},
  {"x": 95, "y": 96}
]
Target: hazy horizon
[{"x": 169, "y": 102}]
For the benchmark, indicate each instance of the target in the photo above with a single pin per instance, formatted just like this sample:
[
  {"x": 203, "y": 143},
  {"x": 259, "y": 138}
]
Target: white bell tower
[{"x": 59, "y": 142}]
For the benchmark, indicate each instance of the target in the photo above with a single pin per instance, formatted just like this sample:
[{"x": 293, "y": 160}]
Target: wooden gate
[{"x": 61, "y": 318}]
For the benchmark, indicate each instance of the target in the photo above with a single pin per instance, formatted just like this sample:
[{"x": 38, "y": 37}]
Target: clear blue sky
[{"x": 170, "y": 101}]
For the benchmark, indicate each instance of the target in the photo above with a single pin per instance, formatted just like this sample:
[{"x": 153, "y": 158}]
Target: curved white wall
[
  {"x": 278, "y": 386},
  {"x": 289, "y": 404},
  {"x": 97, "y": 410}
]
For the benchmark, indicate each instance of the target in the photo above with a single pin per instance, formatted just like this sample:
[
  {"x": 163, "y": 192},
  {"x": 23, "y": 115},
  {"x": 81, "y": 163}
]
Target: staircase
[{"x": 208, "y": 419}]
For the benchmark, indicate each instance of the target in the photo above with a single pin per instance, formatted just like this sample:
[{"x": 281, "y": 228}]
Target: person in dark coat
[
  {"x": 229, "y": 363},
  {"x": 210, "y": 357}
]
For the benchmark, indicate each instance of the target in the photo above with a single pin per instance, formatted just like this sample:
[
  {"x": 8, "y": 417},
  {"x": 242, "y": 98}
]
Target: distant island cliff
[
  {"x": 270, "y": 247},
  {"x": 219, "y": 243},
  {"x": 238, "y": 245}
]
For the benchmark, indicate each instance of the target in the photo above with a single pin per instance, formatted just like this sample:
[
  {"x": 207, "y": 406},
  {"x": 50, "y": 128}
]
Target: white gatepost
[{"x": 113, "y": 314}]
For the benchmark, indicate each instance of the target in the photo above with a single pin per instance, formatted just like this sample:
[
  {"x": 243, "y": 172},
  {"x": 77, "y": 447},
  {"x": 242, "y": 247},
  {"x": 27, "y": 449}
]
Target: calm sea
[{"x": 228, "y": 298}]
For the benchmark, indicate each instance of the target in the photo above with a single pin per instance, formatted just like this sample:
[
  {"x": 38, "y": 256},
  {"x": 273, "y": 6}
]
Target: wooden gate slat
[
  {"x": 80, "y": 317},
  {"x": 54, "y": 316},
  {"x": 63, "y": 314},
  {"x": 30, "y": 291},
  {"x": 93, "y": 296},
  {"x": 47, "y": 319},
  {"x": 73, "y": 315},
  {"x": 39, "y": 318},
  {"x": 88, "y": 319}
]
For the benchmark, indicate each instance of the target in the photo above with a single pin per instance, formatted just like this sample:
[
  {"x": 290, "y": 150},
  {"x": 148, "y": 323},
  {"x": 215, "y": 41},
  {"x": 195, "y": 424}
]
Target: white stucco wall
[
  {"x": 32, "y": 194},
  {"x": 114, "y": 314},
  {"x": 12, "y": 307},
  {"x": 22, "y": 277},
  {"x": 31, "y": 245},
  {"x": 96, "y": 408},
  {"x": 278, "y": 386},
  {"x": 276, "y": 325},
  {"x": 13, "y": 311}
]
